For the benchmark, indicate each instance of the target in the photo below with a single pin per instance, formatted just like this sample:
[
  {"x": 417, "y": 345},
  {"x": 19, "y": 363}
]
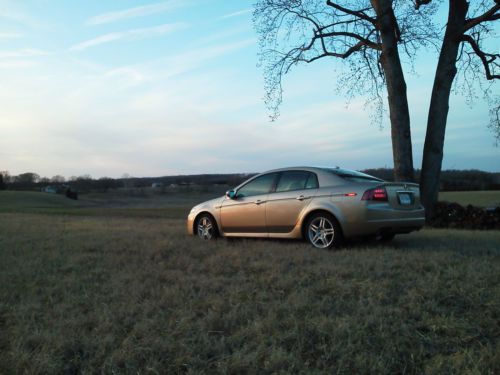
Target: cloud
[
  {"x": 134, "y": 34},
  {"x": 17, "y": 64},
  {"x": 236, "y": 14},
  {"x": 22, "y": 53},
  {"x": 189, "y": 60},
  {"x": 22, "y": 58},
  {"x": 15, "y": 12},
  {"x": 170, "y": 67},
  {"x": 10, "y": 35},
  {"x": 135, "y": 12}
]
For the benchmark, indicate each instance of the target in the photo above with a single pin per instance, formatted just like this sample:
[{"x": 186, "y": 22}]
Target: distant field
[
  {"x": 95, "y": 287},
  {"x": 476, "y": 198},
  {"x": 103, "y": 204}
]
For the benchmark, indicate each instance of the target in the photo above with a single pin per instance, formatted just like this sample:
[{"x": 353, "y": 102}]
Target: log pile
[{"x": 453, "y": 215}]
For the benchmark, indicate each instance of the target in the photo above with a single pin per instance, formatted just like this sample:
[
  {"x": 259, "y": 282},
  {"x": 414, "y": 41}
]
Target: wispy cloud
[
  {"x": 15, "y": 12},
  {"x": 4, "y": 35},
  {"x": 192, "y": 59},
  {"x": 236, "y": 14},
  {"x": 23, "y": 53},
  {"x": 225, "y": 34},
  {"x": 134, "y": 34},
  {"x": 135, "y": 12},
  {"x": 17, "y": 64}
]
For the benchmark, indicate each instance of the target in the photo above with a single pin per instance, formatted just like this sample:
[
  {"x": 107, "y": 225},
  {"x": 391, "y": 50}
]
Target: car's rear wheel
[
  {"x": 323, "y": 231},
  {"x": 206, "y": 227}
]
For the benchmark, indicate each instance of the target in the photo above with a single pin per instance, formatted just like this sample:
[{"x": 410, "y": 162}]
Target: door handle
[
  {"x": 301, "y": 197},
  {"x": 258, "y": 201}
]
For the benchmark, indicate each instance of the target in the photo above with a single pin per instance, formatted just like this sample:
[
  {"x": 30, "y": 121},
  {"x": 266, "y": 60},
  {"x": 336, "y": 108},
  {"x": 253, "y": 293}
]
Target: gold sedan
[{"x": 322, "y": 205}]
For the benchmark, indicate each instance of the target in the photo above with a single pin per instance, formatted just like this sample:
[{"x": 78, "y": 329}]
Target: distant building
[{"x": 156, "y": 185}]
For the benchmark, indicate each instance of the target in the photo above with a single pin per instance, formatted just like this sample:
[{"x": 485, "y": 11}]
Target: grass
[
  {"x": 476, "y": 198},
  {"x": 134, "y": 294},
  {"x": 101, "y": 204}
]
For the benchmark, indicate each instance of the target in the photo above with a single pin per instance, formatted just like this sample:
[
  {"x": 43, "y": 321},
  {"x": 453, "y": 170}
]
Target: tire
[
  {"x": 323, "y": 231},
  {"x": 206, "y": 227}
]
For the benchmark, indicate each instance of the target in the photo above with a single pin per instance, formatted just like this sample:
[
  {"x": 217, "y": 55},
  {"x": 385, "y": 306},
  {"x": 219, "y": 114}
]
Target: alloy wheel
[
  {"x": 321, "y": 232},
  {"x": 206, "y": 229}
]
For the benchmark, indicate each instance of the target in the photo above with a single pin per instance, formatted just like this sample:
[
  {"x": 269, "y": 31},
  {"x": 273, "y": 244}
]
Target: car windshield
[{"x": 351, "y": 175}]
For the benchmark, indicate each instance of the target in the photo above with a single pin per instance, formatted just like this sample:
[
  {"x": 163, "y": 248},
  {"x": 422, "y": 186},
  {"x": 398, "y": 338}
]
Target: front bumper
[{"x": 190, "y": 224}]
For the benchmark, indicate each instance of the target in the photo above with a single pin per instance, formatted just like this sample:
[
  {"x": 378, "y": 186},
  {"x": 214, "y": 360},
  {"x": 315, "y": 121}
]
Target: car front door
[
  {"x": 246, "y": 213},
  {"x": 294, "y": 191}
]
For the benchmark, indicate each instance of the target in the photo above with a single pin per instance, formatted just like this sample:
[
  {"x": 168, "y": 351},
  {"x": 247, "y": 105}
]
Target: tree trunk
[
  {"x": 439, "y": 106},
  {"x": 396, "y": 90}
]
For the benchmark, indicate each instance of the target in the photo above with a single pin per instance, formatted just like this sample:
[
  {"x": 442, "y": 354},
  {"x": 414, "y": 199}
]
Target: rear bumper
[
  {"x": 397, "y": 226},
  {"x": 379, "y": 218}
]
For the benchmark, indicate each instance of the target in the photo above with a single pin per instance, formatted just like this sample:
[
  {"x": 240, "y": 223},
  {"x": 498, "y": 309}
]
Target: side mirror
[{"x": 231, "y": 194}]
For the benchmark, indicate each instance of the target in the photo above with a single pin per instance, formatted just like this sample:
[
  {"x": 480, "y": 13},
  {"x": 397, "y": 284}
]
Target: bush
[{"x": 453, "y": 215}]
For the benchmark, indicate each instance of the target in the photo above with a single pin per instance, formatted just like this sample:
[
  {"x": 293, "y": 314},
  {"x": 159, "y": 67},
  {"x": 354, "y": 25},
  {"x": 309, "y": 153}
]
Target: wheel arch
[{"x": 315, "y": 211}]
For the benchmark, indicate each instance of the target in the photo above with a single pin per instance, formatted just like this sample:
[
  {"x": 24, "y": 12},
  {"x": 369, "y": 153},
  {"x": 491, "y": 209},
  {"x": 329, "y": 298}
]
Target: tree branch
[
  {"x": 357, "y": 13},
  {"x": 344, "y": 55},
  {"x": 419, "y": 3},
  {"x": 303, "y": 17},
  {"x": 490, "y": 15},
  {"x": 486, "y": 58},
  {"x": 366, "y": 42}
]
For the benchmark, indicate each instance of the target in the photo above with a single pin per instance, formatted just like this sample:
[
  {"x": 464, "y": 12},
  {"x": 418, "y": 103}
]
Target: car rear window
[
  {"x": 296, "y": 180},
  {"x": 352, "y": 175}
]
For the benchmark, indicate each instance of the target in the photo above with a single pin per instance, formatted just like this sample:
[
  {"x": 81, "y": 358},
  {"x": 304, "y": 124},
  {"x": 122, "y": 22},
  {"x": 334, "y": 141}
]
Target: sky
[{"x": 155, "y": 88}]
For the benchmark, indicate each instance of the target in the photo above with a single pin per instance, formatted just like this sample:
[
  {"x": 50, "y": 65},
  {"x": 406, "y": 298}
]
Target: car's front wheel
[
  {"x": 323, "y": 231},
  {"x": 206, "y": 227}
]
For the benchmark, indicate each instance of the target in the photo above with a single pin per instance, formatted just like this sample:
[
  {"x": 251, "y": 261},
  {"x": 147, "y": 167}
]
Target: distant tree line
[
  {"x": 85, "y": 183},
  {"x": 451, "y": 180}
]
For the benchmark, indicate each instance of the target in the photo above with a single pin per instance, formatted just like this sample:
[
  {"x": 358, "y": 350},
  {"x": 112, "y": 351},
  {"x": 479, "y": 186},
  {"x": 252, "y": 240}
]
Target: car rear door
[{"x": 293, "y": 193}]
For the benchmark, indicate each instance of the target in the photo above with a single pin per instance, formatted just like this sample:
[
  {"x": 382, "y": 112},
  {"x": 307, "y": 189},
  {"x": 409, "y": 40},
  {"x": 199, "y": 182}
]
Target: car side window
[
  {"x": 312, "y": 181},
  {"x": 296, "y": 180},
  {"x": 259, "y": 185}
]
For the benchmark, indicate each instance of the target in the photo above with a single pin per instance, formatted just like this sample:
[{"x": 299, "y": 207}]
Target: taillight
[{"x": 376, "y": 194}]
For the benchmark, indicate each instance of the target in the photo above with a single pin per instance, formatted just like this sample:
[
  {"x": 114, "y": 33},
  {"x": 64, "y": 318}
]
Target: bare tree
[
  {"x": 28, "y": 178},
  {"x": 366, "y": 34},
  {"x": 5, "y": 178},
  {"x": 463, "y": 51}
]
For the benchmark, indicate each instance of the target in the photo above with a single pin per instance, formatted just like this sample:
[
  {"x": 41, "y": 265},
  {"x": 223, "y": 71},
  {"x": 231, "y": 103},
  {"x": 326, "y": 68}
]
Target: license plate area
[{"x": 405, "y": 198}]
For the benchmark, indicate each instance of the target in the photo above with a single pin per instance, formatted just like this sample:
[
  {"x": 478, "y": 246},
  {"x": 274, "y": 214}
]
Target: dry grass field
[
  {"x": 489, "y": 198},
  {"x": 86, "y": 288}
]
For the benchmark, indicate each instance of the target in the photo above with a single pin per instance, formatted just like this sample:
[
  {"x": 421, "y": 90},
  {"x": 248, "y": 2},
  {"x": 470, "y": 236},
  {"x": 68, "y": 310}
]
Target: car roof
[
  {"x": 301, "y": 168},
  {"x": 324, "y": 174}
]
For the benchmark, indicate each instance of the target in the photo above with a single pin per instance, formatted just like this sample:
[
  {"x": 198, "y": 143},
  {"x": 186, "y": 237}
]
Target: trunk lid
[{"x": 402, "y": 195}]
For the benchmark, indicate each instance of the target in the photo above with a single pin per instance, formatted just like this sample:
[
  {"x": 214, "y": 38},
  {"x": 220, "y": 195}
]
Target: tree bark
[
  {"x": 439, "y": 106},
  {"x": 396, "y": 90}
]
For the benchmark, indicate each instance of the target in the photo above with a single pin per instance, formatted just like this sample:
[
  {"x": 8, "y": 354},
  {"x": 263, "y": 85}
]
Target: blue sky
[{"x": 154, "y": 88}]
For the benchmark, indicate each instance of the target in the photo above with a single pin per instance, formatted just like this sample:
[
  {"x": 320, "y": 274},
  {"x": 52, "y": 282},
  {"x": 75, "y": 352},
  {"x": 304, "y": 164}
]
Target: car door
[
  {"x": 246, "y": 213},
  {"x": 294, "y": 191}
]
